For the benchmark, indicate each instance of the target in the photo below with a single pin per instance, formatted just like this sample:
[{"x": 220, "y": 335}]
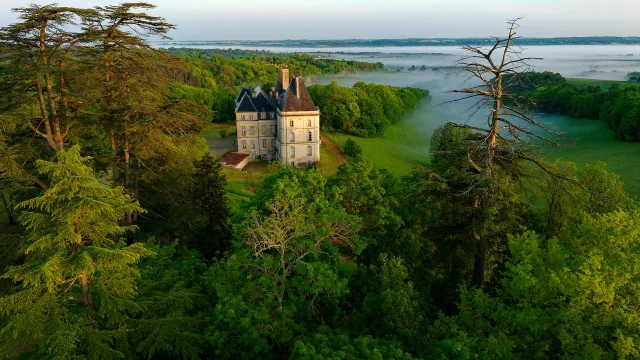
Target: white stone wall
[
  {"x": 255, "y": 137},
  {"x": 298, "y": 149}
]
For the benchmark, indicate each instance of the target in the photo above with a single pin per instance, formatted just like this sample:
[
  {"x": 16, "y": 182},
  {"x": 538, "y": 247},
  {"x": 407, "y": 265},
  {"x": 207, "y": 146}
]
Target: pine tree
[
  {"x": 77, "y": 282},
  {"x": 209, "y": 196}
]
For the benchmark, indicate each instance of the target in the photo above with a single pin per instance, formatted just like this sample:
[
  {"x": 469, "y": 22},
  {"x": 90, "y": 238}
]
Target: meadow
[{"x": 406, "y": 144}]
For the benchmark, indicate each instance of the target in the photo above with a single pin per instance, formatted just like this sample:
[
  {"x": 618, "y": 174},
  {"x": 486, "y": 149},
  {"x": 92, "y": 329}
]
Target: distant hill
[{"x": 592, "y": 40}]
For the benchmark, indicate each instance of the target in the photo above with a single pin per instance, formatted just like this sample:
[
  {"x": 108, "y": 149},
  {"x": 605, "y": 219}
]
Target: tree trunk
[
  {"x": 86, "y": 296},
  {"x": 45, "y": 117},
  {"x": 479, "y": 264},
  {"x": 114, "y": 155},
  {"x": 8, "y": 206}
]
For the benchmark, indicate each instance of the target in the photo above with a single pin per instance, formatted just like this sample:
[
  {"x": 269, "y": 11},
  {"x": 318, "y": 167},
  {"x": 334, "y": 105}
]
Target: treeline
[
  {"x": 213, "y": 78},
  {"x": 618, "y": 106},
  {"x": 366, "y": 109}
]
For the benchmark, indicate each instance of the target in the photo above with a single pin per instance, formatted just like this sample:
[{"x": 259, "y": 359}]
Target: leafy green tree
[
  {"x": 391, "y": 309},
  {"x": 351, "y": 148},
  {"x": 567, "y": 297},
  {"x": 326, "y": 345},
  {"x": 173, "y": 305},
  {"x": 282, "y": 279},
  {"x": 77, "y": 283}
]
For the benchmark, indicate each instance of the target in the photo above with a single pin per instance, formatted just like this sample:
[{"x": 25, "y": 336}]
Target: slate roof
[
  {"x": 242, "y": 92},
  {"x": 246, "y": 105},
  {"x": 296, "y": 97},
  {"x": 263, "y": 103},
  {"x": 233, "y": 158}
]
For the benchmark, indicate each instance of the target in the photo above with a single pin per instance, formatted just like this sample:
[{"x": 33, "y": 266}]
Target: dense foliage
[
  {"x": 366, "y": 109},
  {"x": 119, "y": 243},
  {"x": 618, "y": 106},
  {"x": 213, "y": 78}
]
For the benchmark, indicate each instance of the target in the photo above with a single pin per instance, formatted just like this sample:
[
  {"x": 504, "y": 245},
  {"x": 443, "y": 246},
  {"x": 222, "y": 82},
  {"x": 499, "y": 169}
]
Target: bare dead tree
[
  {"x": 512, "y": 134},
  {"x": 512, "y": 131}
]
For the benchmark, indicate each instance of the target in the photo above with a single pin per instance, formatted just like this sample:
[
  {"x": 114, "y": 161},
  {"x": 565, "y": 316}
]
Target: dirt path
[{"x": 334, "y": 148}]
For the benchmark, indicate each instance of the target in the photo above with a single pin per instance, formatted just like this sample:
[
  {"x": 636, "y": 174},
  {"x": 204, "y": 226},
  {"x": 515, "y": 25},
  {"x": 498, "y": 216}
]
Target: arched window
[
  {"x": 292, "y": 137},
  {"x": 310, "y": 136}
]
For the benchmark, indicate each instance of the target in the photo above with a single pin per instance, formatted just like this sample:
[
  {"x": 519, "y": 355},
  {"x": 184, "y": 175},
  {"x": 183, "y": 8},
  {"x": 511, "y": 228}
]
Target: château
[{"x": 283, "y": 125}]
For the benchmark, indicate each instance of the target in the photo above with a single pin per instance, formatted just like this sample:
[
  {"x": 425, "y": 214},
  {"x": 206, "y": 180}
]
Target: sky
[{"x": 369, "y": 19}]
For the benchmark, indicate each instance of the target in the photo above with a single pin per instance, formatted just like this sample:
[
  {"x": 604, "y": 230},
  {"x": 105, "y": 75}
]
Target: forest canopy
[
  {"x": 366, "y": 109},
  {"x": 118, "y": 240}
]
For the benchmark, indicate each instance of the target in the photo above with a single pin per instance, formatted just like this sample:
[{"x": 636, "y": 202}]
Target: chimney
[
  {"x": 284, "y": 78},
  {"x": 298, "y": 86}
]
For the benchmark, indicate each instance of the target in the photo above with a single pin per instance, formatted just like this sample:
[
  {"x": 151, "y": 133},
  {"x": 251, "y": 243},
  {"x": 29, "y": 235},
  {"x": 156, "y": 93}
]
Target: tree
[
  {"x": 567, "y": 297},
  {"x": 291, "y": 235},
  {"x": 208, "y": 195},
  {"x": 173, "y": 305},
  {"x": 37, "y": 53},
  {"x": 326, "y": 345},
  {"x": 351, "y": 148},
  {"x": 511, "y": 132},
  {"x": 77, "y": 283},
  {"x": 445, "y": 198}
]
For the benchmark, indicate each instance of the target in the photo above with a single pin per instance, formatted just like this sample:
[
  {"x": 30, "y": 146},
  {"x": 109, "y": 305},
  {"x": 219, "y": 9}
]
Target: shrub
[
  {"x": 351, "y": 148},
  {"x": 224, "y": 133}
]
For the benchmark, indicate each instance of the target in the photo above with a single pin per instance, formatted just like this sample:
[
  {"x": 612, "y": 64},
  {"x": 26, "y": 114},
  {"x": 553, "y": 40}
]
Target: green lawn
[{"x": 404, "y": 144}]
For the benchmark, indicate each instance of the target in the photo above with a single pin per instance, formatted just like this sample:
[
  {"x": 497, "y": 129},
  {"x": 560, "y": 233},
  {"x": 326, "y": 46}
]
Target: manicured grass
[{"x": 604, "y": 84}]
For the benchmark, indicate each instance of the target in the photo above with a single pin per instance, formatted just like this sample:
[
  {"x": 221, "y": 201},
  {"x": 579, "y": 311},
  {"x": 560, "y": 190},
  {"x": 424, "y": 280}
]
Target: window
[
  {"x": 244, "y": 144},
  {"x": 309, "y": 151},
  {"x": 253, "y": 156},
  {"x": 291, "y": 123},
  {"x": 309, "y": 122},
  {"x": 244, "y": 130},
  {"x": 273, "y": 129},
  {"x": 251, "y": 129},
  {"x": 310, "y": 136},
  {"x": 253, "y": 144},
  {"x": 264, "y": 143},
  {"x": 251, "y": 117},
  {"x": 273, "y": 143},
  {"x": 264, "y": 115},
  {"x": 264, "y": 129},
  {"x": 241, "y": 117},
  {"x": 292, "y": 137},
  {"x": 292, "y": 151},
  {"x": 293, "y": 163}
]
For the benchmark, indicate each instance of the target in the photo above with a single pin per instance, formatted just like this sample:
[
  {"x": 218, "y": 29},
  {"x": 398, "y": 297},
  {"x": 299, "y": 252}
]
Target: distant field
[{"x": 604, "y": 84}]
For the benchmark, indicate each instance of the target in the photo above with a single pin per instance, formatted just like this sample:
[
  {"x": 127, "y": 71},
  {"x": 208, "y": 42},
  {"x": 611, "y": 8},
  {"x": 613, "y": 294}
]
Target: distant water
[{"x": 609, "y": 62}]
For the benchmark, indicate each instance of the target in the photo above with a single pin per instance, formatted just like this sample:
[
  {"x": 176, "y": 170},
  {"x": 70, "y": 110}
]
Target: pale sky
[{"x": 367, "y": 19}]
